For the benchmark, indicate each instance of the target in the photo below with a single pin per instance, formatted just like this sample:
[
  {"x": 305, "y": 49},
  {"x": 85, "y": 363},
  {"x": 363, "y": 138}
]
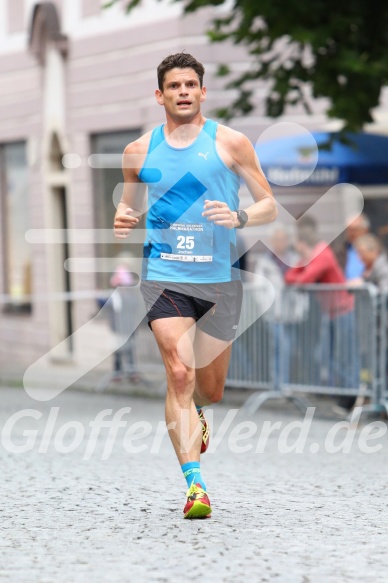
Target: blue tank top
[{"x": 182, "y": 245}]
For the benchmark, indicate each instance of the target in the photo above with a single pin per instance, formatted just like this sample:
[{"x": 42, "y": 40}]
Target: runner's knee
[
  {"x": 216, "y": 395},
  {"x": 212, "y": 394},
  {"x": 181, "y": 378}
]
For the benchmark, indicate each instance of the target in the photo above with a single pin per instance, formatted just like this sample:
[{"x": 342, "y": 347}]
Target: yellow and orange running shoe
[
  {"x": 205, "y": 432},
  {"x": 198, "y": 503}
]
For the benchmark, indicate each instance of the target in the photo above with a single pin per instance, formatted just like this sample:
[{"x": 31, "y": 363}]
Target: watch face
[{"x": 242, "y": 217}]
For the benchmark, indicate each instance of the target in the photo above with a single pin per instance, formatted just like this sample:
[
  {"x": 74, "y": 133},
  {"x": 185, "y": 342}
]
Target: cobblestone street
[{"x": 72, "y": 517}]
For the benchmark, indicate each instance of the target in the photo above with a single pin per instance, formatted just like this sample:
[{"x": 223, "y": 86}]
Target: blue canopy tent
[{"x": 291, "y": 160}]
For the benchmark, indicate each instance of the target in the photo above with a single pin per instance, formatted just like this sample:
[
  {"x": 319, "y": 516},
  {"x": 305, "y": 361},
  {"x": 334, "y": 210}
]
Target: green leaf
[{"x": 223, "y": 70}]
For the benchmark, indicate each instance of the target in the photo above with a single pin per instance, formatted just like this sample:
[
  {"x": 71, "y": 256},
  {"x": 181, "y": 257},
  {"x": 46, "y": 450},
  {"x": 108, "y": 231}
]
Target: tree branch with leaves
[{"x": 303, "y": 50}]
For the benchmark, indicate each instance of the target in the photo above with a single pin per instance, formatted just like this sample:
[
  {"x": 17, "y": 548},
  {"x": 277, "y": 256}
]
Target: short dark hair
[{"x": 179, "y": 61}]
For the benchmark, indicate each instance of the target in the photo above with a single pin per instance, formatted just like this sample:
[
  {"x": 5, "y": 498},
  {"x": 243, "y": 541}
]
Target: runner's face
[{"x": 182, "y": 94}]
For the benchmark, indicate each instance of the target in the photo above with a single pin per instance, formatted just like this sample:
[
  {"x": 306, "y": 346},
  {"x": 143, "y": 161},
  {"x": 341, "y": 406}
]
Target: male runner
[{"x": 192, "y": 168}]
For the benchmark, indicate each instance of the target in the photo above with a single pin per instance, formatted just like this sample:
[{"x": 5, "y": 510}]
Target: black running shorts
[{"x": 215, "y": 307}]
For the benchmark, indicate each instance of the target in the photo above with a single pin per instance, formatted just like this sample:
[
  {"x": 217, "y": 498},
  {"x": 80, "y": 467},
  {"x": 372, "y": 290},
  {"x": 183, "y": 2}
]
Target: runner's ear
[{"x": 159, "y": 97}]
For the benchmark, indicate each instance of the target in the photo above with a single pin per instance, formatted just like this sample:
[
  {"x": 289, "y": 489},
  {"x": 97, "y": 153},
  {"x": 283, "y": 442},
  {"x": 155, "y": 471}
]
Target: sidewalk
[{"x": 152, "y": 386}]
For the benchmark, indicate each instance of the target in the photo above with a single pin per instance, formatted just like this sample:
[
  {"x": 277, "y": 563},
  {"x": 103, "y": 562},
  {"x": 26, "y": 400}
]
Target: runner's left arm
[{"x": 243, "y": 160}]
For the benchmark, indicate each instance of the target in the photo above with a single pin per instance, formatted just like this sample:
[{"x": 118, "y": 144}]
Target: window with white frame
[
  {"x": 107, "y": 188},
  {"x": 14, "y": 224}
]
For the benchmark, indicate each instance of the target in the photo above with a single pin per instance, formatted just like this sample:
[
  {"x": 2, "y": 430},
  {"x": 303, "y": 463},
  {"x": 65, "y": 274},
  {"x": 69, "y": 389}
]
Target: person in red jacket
[{"x": 318, "y": 264}]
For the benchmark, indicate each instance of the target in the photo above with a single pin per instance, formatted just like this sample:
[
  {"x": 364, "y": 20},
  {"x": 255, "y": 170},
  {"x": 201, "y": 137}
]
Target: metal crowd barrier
[
  {"x": 313, "y": 339},
  {"x": 382, "y": 341},
  {"x": 324, "y": 339}
]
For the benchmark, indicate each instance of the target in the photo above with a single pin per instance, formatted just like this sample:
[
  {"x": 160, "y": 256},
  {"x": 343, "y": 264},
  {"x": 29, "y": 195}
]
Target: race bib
[{"x": 189, "y": 242}]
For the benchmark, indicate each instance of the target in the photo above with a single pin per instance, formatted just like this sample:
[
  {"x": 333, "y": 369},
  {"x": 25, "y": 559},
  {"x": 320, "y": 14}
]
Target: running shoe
[
  {"x": 205, "y": 432},
  {"x": 198, "y": 503}
]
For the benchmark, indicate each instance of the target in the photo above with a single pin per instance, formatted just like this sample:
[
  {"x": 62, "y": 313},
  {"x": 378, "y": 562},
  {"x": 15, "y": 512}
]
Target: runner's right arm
[{"x": 131, "y": 205}]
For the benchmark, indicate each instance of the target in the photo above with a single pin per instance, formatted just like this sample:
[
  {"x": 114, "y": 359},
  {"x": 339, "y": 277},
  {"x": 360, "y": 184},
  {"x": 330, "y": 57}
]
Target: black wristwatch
[{"x": 242, "y": 217}]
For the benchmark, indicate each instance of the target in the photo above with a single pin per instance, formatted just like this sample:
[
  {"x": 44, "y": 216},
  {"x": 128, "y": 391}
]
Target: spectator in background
[
  {"x": 347, "y": 255},
  {"x": 122, "y": 305},
  {"x": 122, "y": 276},
  {"x": 318, "y": 264},
  {"x": 375, "y": 274},
  {"x": 372, "y": 255},
  {"x": 282, "y": 256},
  {"x": 287, "y": 309}
]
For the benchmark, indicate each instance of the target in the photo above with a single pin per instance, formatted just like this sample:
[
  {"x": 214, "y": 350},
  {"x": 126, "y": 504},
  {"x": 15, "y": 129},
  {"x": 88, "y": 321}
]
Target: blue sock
[{"x": 192, "y": 473}]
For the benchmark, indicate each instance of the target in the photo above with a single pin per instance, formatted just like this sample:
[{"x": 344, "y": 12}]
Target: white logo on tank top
[{"x": 203, "y": 155}]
